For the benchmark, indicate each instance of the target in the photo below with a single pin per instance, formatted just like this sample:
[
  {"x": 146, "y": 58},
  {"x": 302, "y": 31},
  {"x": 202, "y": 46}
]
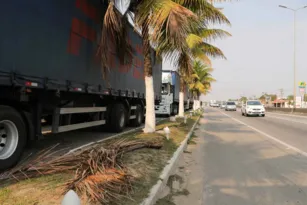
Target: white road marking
[
  {"x": 274, "y": 113},
  {"x": 287, "y": 146},
  {"x": 290, "y": 120},
  {"x": 269, "y": 114}
]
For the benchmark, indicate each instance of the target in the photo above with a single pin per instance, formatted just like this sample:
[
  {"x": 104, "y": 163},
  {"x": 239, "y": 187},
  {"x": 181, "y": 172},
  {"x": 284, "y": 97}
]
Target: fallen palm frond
[{"x": 99, "y": 174}]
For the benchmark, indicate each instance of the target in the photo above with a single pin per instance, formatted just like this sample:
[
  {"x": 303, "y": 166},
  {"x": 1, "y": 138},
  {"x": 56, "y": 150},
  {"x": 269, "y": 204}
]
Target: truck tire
[
  {"x": 175, "y": 109},
  {"x": 171, "y": 110},
  {"x": 138, "y": 116},
  {"x": 13, "y": 137},
  {"x": 118, "y": 117}
]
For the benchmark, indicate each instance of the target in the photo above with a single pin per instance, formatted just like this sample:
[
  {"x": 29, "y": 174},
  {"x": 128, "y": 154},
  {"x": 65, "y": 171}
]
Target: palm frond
[
  {"x": 201, "y": 79},
  {"x": 203, "y": 7},
  {"x": 114, "y": 39},
  {"x": 212, "y": 34},
  {"x": 211, "y": 50},
  {"x": 185, "y": 64}
]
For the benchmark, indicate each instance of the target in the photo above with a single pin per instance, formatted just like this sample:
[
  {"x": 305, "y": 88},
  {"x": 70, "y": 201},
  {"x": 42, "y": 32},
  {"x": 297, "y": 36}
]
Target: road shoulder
[{"x": 186, "y": 184}]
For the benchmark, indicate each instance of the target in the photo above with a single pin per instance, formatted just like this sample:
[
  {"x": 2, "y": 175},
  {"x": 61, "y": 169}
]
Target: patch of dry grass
[{"x": 43, "y": 190}]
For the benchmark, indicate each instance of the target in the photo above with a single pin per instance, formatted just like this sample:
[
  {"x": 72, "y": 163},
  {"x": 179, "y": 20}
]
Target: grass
[
  {"x": 42, "y": 190},
  {"x": 145, "y": 165}
]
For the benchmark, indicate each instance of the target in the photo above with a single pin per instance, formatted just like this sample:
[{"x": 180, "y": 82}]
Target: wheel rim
[
  {"x": 122, "y": 120},
  {"x": 8, "y": 138}
]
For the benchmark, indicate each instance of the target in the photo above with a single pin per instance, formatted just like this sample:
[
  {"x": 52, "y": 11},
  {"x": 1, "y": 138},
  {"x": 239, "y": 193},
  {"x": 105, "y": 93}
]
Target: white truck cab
[
  {"x": 170, "y": 89},
  {"x": 253, "y": 108},
  {"x": 167, "y": 105}
]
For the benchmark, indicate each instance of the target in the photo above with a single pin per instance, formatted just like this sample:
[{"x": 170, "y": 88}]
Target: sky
[{"x": 260, "y": 52}]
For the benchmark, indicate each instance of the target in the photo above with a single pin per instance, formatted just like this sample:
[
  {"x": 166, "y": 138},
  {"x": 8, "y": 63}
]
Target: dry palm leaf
[
  {"x": 114, "y": 40},
  {"x": 99, "y": 172}
]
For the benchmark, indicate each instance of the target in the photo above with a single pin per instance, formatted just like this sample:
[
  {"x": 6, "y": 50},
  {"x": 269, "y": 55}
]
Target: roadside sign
[
  {"x": 302, "y": 84},
  {"x": 302, "y": 91},
  {"x": 298, "y": 101}
]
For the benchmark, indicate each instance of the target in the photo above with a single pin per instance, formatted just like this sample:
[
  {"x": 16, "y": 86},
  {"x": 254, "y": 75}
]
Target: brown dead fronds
[{"x": 99, "y": 174}]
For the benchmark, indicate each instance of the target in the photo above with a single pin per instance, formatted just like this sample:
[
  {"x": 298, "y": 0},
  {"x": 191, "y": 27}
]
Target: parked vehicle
[
  {"x": 253, "y": 108},
  {"x": 48, "y": 72},
  {"x": 169, "y": 104},
  {"x": 230, "y": 106}
]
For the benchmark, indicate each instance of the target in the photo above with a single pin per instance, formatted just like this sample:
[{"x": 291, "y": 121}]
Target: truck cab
[
  {"x": 169, "y": 94},
  {"x": 167, "y": 106}
]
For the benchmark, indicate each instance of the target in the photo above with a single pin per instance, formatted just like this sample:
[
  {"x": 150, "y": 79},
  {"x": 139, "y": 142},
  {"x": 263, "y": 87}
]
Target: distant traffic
[{"x": 248, "y": 108}]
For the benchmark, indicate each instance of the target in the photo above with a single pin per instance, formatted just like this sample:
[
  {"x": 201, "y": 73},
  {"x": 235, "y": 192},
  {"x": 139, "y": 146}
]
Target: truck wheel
[
  {"x": 13, "y": 137},
  {"x": 175, "y": 109},
  {"x": 138, "y": 117},
  {"x": 118, "y": 117}
]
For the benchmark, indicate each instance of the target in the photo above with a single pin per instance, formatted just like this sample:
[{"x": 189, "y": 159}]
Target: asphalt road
[{"x": 253, "y": 160}]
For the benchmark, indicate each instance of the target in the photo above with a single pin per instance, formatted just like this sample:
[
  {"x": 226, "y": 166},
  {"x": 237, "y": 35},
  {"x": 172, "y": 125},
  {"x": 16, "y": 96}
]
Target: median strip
[{"x": 138, "y": 169}]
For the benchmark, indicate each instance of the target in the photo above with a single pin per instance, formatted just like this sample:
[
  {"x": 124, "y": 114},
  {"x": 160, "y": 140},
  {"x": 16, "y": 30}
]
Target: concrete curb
[{"x": 158, "y": 187}]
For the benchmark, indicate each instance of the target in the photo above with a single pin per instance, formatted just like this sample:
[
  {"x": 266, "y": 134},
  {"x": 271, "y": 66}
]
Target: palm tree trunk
[
  {"x": 150, "y": 118},
  {"x": 198, "y": 100},
  {"x": 181, "y": 98},
  {"x": 194, "y": 101}
]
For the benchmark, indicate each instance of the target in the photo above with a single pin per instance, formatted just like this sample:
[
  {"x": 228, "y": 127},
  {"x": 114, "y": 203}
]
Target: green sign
[{"x": 302, "y": 84}]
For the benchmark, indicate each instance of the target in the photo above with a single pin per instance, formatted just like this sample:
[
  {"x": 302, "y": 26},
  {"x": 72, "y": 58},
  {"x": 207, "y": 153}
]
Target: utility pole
[
  {"x": 281, "y": 93},
  {"x": 294, "y": 52}
]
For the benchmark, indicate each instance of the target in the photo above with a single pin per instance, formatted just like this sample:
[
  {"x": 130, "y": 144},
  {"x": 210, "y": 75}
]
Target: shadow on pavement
[
  {"x": 250, "y": 174},
  {"x": 226, "y": 127}
]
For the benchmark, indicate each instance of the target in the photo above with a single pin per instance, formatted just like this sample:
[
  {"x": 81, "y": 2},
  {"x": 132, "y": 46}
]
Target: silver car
[{"x": 231, "y": 106}]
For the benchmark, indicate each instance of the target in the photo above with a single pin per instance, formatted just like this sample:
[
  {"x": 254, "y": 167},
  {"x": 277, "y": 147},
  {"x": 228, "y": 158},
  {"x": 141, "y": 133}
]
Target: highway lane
[
  {"x": 287, "y": 128},
  {"x": 244, "y": 165},
  {"x": 288, "y": 117}
]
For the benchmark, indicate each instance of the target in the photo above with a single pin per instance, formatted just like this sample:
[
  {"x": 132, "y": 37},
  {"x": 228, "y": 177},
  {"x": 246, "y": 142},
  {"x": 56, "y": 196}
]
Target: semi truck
[
  {"x": 51, "y": 80},
  {"x": 169, "y": 104}
]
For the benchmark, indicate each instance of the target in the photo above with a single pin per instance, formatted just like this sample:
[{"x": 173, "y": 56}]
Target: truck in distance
[{"x": 169, "y": 104}]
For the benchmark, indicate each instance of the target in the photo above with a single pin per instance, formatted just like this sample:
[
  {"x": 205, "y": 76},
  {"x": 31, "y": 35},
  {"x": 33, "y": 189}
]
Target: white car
[
  {"x": 253, "y": 108},
  {"x": 230, "y": 106},
  {"x": 214, "y": 105}
]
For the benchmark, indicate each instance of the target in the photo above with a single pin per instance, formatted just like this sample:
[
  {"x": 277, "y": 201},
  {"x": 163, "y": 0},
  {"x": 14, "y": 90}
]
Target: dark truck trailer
[
  {"x": 50, "y": 73},
  {"x": 169, "y": 104}
]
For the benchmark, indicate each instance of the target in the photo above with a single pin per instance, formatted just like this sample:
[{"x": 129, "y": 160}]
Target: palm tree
[
  {"x": 198, "y": 46},
  {"x": 200, "y": 50},
  {"x": 200, "y": 81},
  {"x": 161, "y": 22},
  {"x": 193, "y": 45}
]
